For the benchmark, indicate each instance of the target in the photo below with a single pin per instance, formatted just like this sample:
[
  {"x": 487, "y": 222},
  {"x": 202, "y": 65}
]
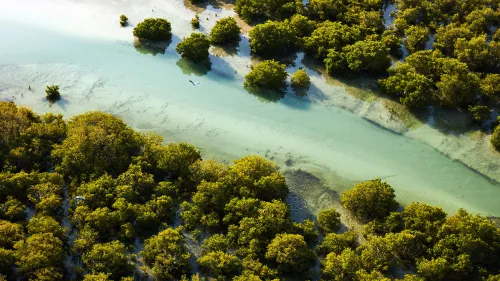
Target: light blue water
[{"x": 153, "y": 94}]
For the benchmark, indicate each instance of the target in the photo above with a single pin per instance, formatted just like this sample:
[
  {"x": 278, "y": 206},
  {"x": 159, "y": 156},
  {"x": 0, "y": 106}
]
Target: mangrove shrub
[{"x": 153, "y": 29}]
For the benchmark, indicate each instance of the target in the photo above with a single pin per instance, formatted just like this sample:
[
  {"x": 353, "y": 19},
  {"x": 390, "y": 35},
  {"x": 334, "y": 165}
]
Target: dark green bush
[
  {"x": 153, "y": 29},
  {"x": 268, "y": 74},
  {"x": 195, "y": 47},
  {"x": 300, "y": 81},
  {"x": 225, "y": 32},
  {"x": 195, "y": 22},
  {"x": 273, "y": 38},
  {"x": 123, "y": 20},
  {"x": 53, "y": 94},
  {"x": 495, "y": 138},
  {"x": 480, "y": 112}
]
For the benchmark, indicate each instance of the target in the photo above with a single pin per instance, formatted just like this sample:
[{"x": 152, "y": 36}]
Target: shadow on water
[
  {"x": 308, "y": 194},
  {"x": 147, "y": 47},
  {"x": 304, "y": 98},
  {"x": 194, "y": 68},
  {"x": 222, "y": 68},
  {"x": 295, "y": 101},
  {"x": 244, "y": 47},
  {"x": 265, "y": 95}
]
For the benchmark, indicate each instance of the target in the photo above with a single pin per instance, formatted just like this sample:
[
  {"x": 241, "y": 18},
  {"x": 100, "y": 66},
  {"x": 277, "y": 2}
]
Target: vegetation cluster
[
  {"x": 91, "y": 199},
  {"x": 154, "y": 29},
  {"x": 123, "y": 21},
  {"x": 52, "y": 93},
  {"x": 453, "y": 46}
]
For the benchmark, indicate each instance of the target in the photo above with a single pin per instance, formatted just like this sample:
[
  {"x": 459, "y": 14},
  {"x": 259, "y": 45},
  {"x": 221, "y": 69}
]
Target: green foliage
[
  {"x": 97, "y": 143},
  {"x": 225, "y": 32},
  {"x": 253, "y": 10},
  {"x": 376, "y": 254},
  {"x": 369, "y": 200},
  {"x": 426, "y": 77},
  {"x": 170, "y": 161},
  {"x": 13, "y": 209},
  {"x": 416, "y": 37},
  {"x": 342, "y": 266},
  {"x": 195, "y": 22},
  {"x": 423, "y": 218},
  {"x": 496, "y": 36},
  {"x": 195, "y": 47},
  {"x": 10, "y": 233},
  {"x": 290, "y": 253},
  {"x": 53, "y": 94},
  {"x": 475, "y": 52},
  {"x": 367, "y": 56},
  {"x": 153, "y": 29},
  {"x": 307, "y": 229},
  {"x": 123, "y": 21},
  {"x": 435, "y": 269},
  {"x": 469, "y": 244},
  {"x": 167, "y": 255},
  {"x": 215, "y": 243},
  {"x": 363, "y": 275},
  {"x": 480, "y": 112},
  {"x": 337, "y": 243},
  {"x": 495, "y": 138},
  {"x": 239, "y": 209},
  {"x": 253, "y": 234},
  {"x": 456, "y": 86},
  {"x": 392, "y": 223},
  {"x": 489, "y": 85},
  {"x": 261, "y": 178},
  {"x": 406, "y": 246},
  {"x": 327, "y": 10},
  {"x": 97, "y": 277},
  {"x": 47, "y": 198},
  {"x": 272, "y": 38},
  {"x": 392, "y": 41},
  {"x": 447, "y": 36},
  {"x": 39, "y": 253},
  {"x": 268, "y": 74},
  {"x": 87, "y": 237},
  {"x": 330, "y": 35},
  {"x": 98, "y": 193},
  {"x": 301, "y": 25},
  {"x": 220, "y": 264},
  {"x": 256, "y": 268},
  {"x": 108, "y": 258},
  {"x": 7, "y": 261},
  {"x": 300, "y": 81},
  {"x": 45, "y": 224},
  {"x": 329, "y": 221},
  {"x": 27, "y": 138}
]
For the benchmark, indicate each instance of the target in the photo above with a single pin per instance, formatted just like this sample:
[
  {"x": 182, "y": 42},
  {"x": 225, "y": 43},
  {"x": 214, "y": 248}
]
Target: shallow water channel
[{"x": 153, "y": 93}]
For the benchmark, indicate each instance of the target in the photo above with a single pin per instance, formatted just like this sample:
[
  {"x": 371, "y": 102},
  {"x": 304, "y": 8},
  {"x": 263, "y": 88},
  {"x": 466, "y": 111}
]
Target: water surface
[{"x": 153, "y": 93}]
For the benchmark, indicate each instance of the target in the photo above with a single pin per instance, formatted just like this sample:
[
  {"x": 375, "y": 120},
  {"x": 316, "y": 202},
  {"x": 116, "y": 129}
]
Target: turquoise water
[{"x": 152, "y": 93}]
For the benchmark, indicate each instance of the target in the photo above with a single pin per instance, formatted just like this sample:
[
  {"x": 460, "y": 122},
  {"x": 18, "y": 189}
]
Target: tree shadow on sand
[{"x": 189, "y": 67}]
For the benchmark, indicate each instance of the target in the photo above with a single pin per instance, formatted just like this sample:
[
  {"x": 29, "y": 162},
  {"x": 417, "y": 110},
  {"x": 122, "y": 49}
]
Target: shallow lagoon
[{"x": 153, "y": 93}]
